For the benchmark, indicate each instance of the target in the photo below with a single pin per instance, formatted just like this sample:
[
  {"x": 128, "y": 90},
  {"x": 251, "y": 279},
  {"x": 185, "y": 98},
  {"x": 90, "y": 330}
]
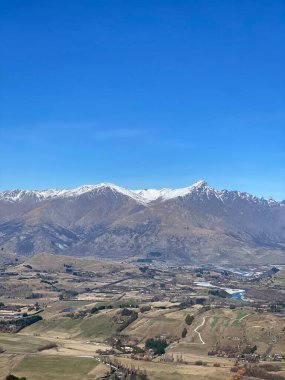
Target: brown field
[{"x": 64, "y": 289}]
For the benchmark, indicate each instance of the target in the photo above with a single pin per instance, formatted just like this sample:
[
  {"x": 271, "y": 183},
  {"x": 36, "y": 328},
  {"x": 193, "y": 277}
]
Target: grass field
[
  {"x": 158, "y": 323},
  {"x": 239, "y": 317},
  {"x": 71, "y": 338},
  {"x": 214, "y": 322},
  {"x": 174, "y": 371},
  {"x": 100, "y": 326},
  {"x": 231, "y": 326},
  {"x": 96, "y": 326},
  {"x": 15, "y": 343},
  {"x": 7, "y": 362},
  {"x": 59, "y": 306},
  {"x": 55, "y": 368}
]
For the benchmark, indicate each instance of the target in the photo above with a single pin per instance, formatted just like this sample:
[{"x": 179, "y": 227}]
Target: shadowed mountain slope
[{"x": 193, "y": 224}]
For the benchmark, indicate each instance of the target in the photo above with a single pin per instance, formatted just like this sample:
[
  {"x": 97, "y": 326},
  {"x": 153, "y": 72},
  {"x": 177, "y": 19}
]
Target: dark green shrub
[
  {"x": 157, "y": 345},
  {"x": 184, "y": 332},
  {"x": 189, "y": 319}
]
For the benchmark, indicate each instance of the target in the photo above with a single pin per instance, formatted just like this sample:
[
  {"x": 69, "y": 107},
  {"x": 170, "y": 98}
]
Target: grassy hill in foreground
[
  {"x": 55, "y": 367},
  {"x": 56, "y": 263},
  {"x": 99, "y": 326},
  {"x": 224, "y": 328}
]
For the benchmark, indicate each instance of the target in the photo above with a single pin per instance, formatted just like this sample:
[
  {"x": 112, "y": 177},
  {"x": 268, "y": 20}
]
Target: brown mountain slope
[{"x": 195, "y": 224}]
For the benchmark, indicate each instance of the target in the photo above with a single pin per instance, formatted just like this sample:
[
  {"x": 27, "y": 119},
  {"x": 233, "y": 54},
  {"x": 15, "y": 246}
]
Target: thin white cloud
[{"x": 107, "y": 134}]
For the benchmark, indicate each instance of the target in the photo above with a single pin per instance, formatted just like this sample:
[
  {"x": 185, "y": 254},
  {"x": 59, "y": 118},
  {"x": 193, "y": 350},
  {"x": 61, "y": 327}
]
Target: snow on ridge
[
  {"x": 199, "y": 185},
  {"x": 150, "y": 195},
  {"x": 143, "y": 196},
  {"x": 41, "y": 195},
  {"x": 164, "y": 194},
  {"x": 122, "y": 190}
]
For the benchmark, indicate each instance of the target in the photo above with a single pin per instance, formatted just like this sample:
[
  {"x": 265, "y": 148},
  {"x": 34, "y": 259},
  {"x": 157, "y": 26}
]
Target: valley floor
[{"x": 78, "y": 319}]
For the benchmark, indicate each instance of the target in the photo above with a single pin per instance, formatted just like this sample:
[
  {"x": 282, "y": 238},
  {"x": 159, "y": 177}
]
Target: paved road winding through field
[{"x": 196, "y": 330}]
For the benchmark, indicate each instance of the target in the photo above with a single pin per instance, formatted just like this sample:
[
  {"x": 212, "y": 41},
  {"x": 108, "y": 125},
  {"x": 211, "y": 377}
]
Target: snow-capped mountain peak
[
  {"x": 143, "y": 196},
  {"x": 200, "y": 183}
]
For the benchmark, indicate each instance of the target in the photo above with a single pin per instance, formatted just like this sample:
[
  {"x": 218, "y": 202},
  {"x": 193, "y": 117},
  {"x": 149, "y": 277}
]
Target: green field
[
  {"x": 59, "y": 306},
  {"x": 190, "y": 348},
  {"x": 100, "y": 326},
  {"x": 60, "y": 325},
  {"x": 96, "y": 326},
  {"x": 214, "y": 322},
  {"x": 238, "y": 318},
  {"x": 15, "y": 343},
  {"x": 55, "y": 368}
]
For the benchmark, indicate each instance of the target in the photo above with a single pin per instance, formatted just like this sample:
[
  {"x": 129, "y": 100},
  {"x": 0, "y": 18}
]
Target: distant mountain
[{"x": 193, "y": 224}]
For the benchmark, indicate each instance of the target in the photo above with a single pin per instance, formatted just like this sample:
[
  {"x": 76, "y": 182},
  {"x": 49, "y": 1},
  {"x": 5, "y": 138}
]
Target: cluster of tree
[
  {"x": 147, "y": 260},
  {"x": 200, "y": 301},
  {"x": 95, "y": 309},
  {"x": 78, "y": 315},
  {"x": 189, "y": 319},
  {"x": 224, "y": 350},
  {"x": 270, "y": 367},
  {"x": 12, "y": 377},
  {"x": 239, "y": 373},
  {"x": 147, "y": 270},
  {"x": 126, "y": 312},
  {"x": 127, "y": 375},
  {"x": 34, "y": 296},
  {"x": 15, "y": 325},
  {"x": 199, "y": 270},
  {"x": 219, "y": 293},
  {"x": 27, "y": 266},
  {"x": 259, "y": 372},
  {"x": 47, "y": 347},
  {"x": 143, "y": 309},
  {"x": 275, "y": 307},
  {"x": 250, "y": 350},
  {"x": 68, "y": 268},
  {"x": 68, "y": 294},
  {"x": 119, "y": 371},
  {"x": 143, "y": 269},
  {"x": 37, "y": 306},
  {"x": 157, "y": 345},
  {"x": 132, "y": 317},
  {"x": 189, "y": 302},
  {"x": 184, "y": 332},
  {"x": 200, "y": 362},
  {"x": 129, "y": 304}
]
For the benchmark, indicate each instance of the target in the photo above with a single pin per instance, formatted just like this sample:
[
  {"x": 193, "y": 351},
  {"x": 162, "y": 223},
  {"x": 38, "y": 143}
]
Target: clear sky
[{"x": 143, "y": 94}]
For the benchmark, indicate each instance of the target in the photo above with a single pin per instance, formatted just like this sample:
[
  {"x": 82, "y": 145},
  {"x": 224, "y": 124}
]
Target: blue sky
[{"x": 143, "y": 94}]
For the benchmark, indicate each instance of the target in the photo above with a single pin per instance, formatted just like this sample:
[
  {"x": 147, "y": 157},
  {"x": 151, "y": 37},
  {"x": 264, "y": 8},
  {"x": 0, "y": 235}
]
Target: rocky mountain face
[{"x": 197, "y": 224}]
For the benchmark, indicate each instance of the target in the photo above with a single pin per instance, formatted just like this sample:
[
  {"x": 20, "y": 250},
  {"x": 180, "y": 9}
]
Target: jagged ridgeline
[{"x": 193, "y": 224}]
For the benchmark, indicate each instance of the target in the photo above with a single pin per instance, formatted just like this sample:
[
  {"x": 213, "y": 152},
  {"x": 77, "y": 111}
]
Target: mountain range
[{"x": 196, "y": 224}]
